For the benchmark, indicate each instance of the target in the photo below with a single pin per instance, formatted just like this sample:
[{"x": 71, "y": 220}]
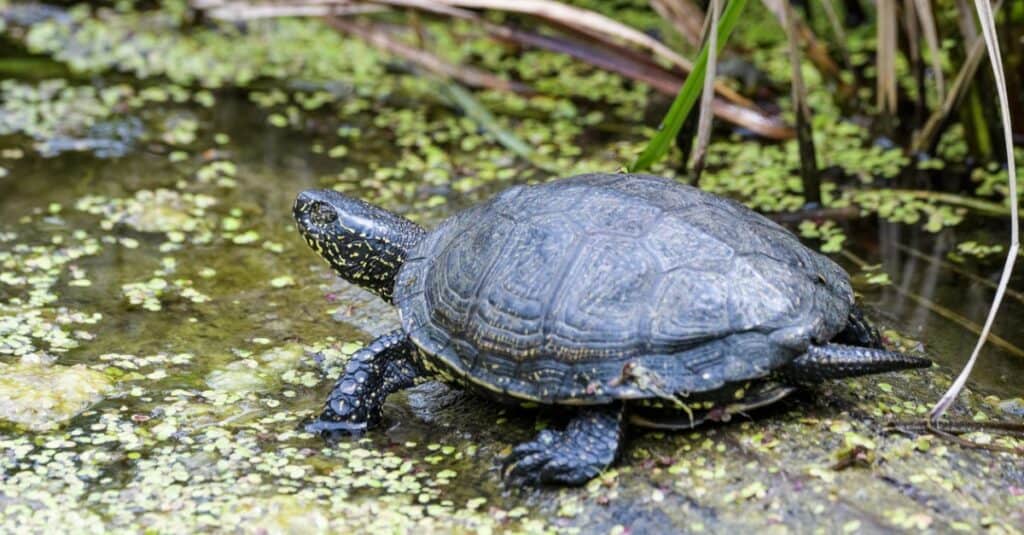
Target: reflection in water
[{"x": 941, "y": 303}]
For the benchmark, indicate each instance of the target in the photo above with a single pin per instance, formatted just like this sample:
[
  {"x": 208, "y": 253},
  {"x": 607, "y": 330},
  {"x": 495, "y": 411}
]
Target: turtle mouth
[
  {"x": 324, "y": 244},
  {"x": 310, "y": 232},
  {"x": 307, "y": 229},
  {"x": 317, "y": 224},
  {"x": 300, "y": 211}
]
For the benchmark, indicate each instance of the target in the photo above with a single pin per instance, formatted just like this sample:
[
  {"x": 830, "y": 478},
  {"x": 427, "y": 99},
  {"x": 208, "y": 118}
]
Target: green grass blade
[{"x": 687, "y": 97}]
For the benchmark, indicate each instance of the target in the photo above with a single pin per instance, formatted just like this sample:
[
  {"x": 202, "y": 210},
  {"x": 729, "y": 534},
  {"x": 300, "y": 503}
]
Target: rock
[
  {"x": 239, "y": 379},
  {"x": 256, "y": 374},
  {"x": 41, "y": 397},
  {"x": 1013, "y": 406},
  {"x": 282, "y": 515}
]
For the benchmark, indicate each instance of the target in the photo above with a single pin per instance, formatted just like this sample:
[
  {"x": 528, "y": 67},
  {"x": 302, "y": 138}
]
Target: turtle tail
[{"x": 837, "y": 361}]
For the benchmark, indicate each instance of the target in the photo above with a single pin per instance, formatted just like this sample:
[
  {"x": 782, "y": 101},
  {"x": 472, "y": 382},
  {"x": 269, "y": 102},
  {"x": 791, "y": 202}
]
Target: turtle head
[{"x": 363, "y": 243}]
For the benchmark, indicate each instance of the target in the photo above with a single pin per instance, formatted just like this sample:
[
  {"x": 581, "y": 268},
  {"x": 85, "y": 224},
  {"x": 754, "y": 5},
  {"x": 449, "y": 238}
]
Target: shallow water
[
  {"x": 198, "y": 427},
  {"x": 942, "y": 303}
]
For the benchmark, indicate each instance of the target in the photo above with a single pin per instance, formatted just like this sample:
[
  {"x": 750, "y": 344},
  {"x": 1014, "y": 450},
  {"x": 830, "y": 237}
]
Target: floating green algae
[{"x": 201, "y": 430}]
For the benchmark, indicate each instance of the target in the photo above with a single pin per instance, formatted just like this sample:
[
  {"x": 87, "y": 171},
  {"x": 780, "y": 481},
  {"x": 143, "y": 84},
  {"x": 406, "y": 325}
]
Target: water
[
  {"x": 942, "y": 303},
  {"x": 210, "y": 439}
]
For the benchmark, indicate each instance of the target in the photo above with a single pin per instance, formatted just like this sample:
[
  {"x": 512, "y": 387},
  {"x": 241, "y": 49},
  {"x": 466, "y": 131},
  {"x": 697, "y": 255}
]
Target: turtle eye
[{"x": 323, "y": 214}]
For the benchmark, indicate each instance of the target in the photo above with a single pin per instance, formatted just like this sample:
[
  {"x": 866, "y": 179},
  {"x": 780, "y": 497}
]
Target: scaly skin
[
  {"x": 374, "y": 372},
  {"x": 837, "y": 361},
  {"x": 587, "y": 446},
  {"x": 362, "y": 243}
]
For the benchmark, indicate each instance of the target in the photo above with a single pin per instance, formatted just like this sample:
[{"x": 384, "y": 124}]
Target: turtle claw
[
  {"x": 526, "y": 459},
  {"x": 552, "y": 468},
  {"x": 343, "y": 417},
  {"x": 330, "y": 428},
  {"x": 547, "y": 461},
  {"x": 571, "y": 457}
]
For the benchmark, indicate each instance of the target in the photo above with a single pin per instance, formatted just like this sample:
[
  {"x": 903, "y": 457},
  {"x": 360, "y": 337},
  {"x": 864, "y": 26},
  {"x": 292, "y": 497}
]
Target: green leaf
[{"x": 688, "y": 94}]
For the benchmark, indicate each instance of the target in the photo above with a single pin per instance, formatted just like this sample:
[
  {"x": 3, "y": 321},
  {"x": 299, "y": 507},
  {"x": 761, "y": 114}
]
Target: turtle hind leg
[
  {"x": 587, "y": 446},
  {"x": 836, "y": 361},
  {"x": 375, "y": 371},
  {"x": 859, "y": 331}
]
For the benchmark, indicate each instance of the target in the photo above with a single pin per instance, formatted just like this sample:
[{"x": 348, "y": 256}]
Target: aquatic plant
[{"x": 193, "y": 424}]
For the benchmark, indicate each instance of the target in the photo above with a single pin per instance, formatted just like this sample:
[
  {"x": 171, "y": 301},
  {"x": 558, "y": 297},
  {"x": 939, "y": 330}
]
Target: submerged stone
[
  {"x": 239, "y": 379},
  {"x": 284, "y": 515},
  {"x": 1013, "y": 406},
  {"x": 41, "y": 397},
  {"x": 257, "y": 374}
]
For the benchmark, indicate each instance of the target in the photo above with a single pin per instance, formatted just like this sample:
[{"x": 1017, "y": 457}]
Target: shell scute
[{"x": 602, "y": 287}]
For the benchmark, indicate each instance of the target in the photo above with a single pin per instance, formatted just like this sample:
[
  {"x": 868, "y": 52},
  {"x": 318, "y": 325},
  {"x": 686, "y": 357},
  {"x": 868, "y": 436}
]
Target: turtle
[{"x": 628, "y": 299}]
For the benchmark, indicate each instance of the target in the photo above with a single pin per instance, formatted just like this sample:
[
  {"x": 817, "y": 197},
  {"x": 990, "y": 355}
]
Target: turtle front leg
[
  {"x": 374, "y": 372},
  {"x": 587, "y": 446}
]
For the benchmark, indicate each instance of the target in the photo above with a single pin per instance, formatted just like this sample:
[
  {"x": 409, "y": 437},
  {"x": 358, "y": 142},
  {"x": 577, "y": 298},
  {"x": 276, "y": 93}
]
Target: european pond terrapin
[{"x": 632, "y": 298}]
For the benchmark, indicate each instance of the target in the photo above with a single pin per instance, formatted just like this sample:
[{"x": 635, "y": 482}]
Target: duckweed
[{"x": 174, "y": 333}]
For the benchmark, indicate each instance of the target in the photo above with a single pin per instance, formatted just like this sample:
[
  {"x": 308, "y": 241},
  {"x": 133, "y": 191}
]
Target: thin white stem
[
  {"x": 988, "y": 29},
  {"x": 708, "y": 95}
]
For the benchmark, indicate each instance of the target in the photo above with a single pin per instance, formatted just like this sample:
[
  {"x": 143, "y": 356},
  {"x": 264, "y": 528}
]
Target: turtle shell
[{"x": 614, "y": 286}]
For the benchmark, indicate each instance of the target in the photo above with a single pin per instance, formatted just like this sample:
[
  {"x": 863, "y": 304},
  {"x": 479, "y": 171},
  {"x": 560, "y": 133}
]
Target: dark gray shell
[{"x": 602, "y": 287}]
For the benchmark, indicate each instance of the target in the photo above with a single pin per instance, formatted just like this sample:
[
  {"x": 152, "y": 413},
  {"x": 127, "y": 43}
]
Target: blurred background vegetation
[{"x": 895, "y": 100}]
